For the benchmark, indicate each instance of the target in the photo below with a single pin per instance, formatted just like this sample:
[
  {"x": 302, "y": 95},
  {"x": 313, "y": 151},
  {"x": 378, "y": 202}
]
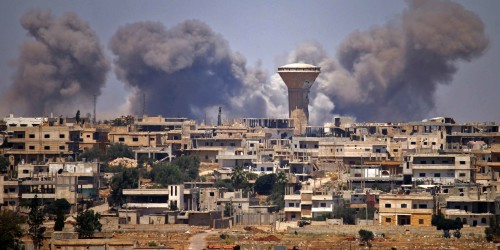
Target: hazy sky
[{"x": 265, "y": 32}]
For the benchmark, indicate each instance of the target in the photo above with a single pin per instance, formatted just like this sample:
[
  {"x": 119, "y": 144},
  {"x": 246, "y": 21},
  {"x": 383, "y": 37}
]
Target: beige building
[{"x": 413, "y": 209}]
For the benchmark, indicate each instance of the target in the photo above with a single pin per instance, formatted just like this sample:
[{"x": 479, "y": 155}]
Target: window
[
  {"x": 395, "y": 150},
  {"x": 135, "y": 139},
  {"x": 433, "y": 143},
  {"x": 62, "y": 136},
  {"x": 32, "y": 136},
  {"x": 421, "y": 174},
  {"x": 483, "y": 220},
  {"x": 46, "y": 136},
  {"x": 88, "y": 136},
  {"x": 461, "y": 174},
  {"x": 121, "y": 139},
  {"x": 212, "y": 194},
  {"x": 437, "y": 175},
  {"x": 462, "y": 162},
  {"x": 413, "y": 143},
  {"x": 46, "y": 147},
  {"x": 388, "y": 205},
  {"x": 404, "y": 205},
  {"x": 152, "y": 139},
  {"x": 32, "y": 147},
  {"x": 388, "y": 220},
  {"x": 61, "y": 147},
  {"x": 322, "y": 204},
  {"x": 26, "y": 171},
  {"x": 422, "y": 205},
  {"x": 421, "y": 221},
  {"x": 291, "y": 204}
]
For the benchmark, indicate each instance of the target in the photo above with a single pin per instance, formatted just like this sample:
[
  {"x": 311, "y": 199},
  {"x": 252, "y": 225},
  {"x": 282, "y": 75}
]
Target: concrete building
[
  {"x": 299, "y": 77},
  {"x": 415, "y": 209}
]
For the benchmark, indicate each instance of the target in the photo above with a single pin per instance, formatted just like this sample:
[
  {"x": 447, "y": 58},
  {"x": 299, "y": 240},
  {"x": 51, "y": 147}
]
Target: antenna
[{"x": 95, "y": 102}]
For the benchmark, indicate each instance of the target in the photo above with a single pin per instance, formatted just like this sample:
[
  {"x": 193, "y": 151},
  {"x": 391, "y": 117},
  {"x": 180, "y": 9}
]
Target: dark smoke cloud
[
  {"x": 187, "y": 70},
  {"x": 391, "y": 72},
  {"x": 60, "y": 70}
]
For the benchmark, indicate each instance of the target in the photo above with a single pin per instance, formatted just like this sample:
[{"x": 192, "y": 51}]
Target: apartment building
[{"x": 438, "y": 168}]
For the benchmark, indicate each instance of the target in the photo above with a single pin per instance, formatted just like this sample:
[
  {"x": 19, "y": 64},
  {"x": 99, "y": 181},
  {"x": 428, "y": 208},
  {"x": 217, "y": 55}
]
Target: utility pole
[{"x": 143, "y": 103}]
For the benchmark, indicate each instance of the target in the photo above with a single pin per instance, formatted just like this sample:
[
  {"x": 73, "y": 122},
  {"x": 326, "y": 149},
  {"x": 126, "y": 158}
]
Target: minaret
[{"x": 299, "y": 77}]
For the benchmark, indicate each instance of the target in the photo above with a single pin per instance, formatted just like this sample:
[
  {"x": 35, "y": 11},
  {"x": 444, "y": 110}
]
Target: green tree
[
  {"x": 59, "y": 223},
  {"x": 59, "y": 206},
  {"x": 126, "y": 179},
  {"x": 277, "y": 196},
  {"x": 264, "y": 185},
  {"x": 94, "y": 153},
  {"x": 190, "y": 165},
  {"x": 493, "y": 231},
  {"x": 4, "y": 164},
  {"x": 118, "y": 150},
  {"x": 366, "y": 236},
  {"x": 10, "y": 229},
  {"x": 345, "y": 213},
  {"x": 173, "y": 206},
  {"x": 446, "y": 225},
  {"x": 87, "y": 223},
  {"x": 239, "y": 178},
  {"x": 35, "y": 222},
  {"x": 167, "y": 174},
  {"x": 224, "y": 184}
]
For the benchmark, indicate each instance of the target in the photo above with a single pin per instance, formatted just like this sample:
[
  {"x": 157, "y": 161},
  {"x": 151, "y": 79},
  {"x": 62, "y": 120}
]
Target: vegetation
[
  {"x": 173, "y": 206},
  {"x": 10, "y": 229},
  {"x": 35, "y": 222},
  {"x": 4, "y": 164},
  {"x": 87, "y": 223},
  {"x": 446, "y": 225},
  {"x": 239, "y": 178},
  {"x": 264, "y": 185},
  {"x": 59, "y": 208},
  {"x": 493, "y": 231},
  {"x": 225, "y": 184},
  {"x": 362, "y": 213},
  {"x": 347, "y": 214},
  {"x": 93, "y": 153},
  {"x": 118, "y": 150},
  {"x": 126, "y": 179},
  {"x": 184, "y": 168},
  {"x": 366, "y": 236}
]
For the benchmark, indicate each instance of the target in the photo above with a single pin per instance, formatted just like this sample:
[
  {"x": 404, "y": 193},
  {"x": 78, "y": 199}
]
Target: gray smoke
[
  {"x": 391, "y": 72},
  {"x": 187, "y": 70},
  {"x": 60, "y": 70}
]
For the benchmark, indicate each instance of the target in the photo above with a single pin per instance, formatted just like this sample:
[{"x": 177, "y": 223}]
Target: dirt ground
[
  {"x": 260, "y": 239},
  {"x": 174, "y": 240}
]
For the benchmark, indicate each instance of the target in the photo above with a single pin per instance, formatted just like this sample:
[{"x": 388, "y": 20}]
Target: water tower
[{"x": 299, "y": 77}]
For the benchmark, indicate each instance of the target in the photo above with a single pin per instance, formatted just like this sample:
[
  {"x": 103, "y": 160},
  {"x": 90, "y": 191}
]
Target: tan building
[{"x": 413, "y": 209}]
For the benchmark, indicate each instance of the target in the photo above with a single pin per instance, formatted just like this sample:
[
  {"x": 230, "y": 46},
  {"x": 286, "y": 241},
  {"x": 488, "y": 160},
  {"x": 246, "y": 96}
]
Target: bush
[{"x": 365, "y": 236}]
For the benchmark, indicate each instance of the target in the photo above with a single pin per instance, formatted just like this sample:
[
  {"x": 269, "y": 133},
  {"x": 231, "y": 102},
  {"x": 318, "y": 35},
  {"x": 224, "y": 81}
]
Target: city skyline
[{"x": 259, "y": 38}]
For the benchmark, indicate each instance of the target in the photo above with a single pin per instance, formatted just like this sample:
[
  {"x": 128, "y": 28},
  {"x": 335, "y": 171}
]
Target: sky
[{"x": 265, "y": 34}]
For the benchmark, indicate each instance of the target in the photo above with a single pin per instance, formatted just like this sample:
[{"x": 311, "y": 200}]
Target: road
[{"x": 198, "y": 242}]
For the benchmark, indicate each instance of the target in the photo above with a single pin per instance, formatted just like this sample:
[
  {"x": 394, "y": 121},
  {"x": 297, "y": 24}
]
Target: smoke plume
[
  {"x": 188, "y": 70},
  {"x": 391, "y": 72},
  {"x": 60, "y": 70}
]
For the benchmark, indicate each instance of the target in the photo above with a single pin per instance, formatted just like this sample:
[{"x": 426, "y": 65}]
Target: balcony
[
  {"x": 322, "y": 209},
  {"x": 292, "y": 197},
  {"x": 292, "y": 209}
]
